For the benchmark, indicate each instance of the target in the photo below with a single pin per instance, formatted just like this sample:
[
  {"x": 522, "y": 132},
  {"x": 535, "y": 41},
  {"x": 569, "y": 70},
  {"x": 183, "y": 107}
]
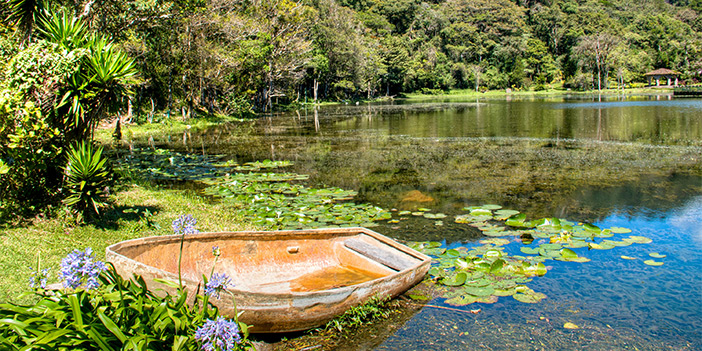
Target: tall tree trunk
[
  {"x": 316, "y": 88},
  {"x": 151, "y": 113}
]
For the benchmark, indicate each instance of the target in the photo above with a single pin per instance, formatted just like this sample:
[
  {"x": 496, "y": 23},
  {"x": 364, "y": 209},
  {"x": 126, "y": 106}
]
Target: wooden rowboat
[{"x": 283, "y": 280}]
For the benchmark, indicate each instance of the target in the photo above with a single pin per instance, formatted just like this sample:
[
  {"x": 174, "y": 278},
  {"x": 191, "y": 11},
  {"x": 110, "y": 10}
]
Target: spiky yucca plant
[{"x": 86, "y": 176}]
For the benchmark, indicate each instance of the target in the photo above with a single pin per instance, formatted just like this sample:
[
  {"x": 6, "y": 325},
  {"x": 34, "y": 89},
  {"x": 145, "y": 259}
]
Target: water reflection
[{"x": 662, "y": 122}]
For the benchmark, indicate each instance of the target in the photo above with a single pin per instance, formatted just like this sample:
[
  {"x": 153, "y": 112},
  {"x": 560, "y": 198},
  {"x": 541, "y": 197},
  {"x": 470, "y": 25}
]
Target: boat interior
[{"x": 277, "y": 264}]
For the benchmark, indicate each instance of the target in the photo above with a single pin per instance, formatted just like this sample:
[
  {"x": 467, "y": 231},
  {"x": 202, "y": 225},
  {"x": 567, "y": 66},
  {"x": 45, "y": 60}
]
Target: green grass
[
  {"x": 471, "y": 93},
  {"x": 51, "y": 239},
  {"x": 170, "y": 126}
]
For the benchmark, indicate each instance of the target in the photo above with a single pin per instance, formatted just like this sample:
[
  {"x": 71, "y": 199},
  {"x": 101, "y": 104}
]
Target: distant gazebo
[{"x": 662, "y": 73}]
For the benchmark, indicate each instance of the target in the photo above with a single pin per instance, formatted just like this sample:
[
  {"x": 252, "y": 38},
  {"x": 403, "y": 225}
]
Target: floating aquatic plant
[
  {"x": 272, "y": 202},
  {"x": 484, "y": 273}
]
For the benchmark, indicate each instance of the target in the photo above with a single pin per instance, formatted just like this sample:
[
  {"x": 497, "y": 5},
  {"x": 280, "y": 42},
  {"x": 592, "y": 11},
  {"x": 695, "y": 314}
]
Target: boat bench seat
[{"x": 393, "y": 259}]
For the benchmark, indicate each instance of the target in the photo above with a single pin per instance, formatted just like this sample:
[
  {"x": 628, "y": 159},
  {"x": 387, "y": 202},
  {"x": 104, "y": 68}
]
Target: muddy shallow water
[{"x": 633, "y": 162}]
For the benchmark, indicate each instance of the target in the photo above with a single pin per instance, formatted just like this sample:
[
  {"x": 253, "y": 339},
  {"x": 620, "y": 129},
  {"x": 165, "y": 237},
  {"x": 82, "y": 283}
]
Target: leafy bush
[
  {"x": 121, "y": 314},
  {"x": 429, "y": 91},
  {"x": 31, "y": 153}
]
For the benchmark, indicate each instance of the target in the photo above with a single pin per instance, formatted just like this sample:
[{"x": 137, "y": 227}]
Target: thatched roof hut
[{"x": 662, "y": 73}]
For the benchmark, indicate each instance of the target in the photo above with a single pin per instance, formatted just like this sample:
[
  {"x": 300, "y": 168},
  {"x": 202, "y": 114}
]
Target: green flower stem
[{"x": 180, "y": 257}]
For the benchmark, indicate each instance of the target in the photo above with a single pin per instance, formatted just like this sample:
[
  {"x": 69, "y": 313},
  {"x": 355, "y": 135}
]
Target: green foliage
[
  {"x": 63, "y": 29},
  {"x": 120, "y": 314},
  {"x": 373, "y": 309},
  {"x": 30, "y": 157},
  {"x": 86, "y": 176},
  {"x": 54, "y": 92},
  {"x": 23, "y": 14},
  {"x": 39, "y": 70}
]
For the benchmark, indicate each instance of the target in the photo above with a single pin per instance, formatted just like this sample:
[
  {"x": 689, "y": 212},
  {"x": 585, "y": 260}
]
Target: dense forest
[{"x": 232, "y": 56}]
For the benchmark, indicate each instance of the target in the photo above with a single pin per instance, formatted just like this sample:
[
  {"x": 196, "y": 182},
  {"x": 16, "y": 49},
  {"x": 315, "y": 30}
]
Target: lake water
[{"x": 631, "y": 161}]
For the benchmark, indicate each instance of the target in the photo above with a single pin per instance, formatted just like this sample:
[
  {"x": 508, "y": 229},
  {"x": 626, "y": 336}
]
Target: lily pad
[
  {"x": 656, "y": 255},
  {"x": 620, "y": 230},
  {"x": 498, "y": 233},
  {"x": 481, "y": 212},
  {"x": 617, "y": 243},
  {"x": 639, "y": 239},
  {"x": 455, "y": 280},
  {"x": 591, "y": 228},
  {"x": 568, "y": 254},
  {"x": 434, "y": 215},
  {"x": 550, "y": 246},
  {"x": 504, "y": 292},
  {"x": 462, "y": 300},
  {"x": 479, "y": 291},
  {"x": 569, "y": 325},
  {"x": 497, "y": 266},
  {"x": 653, "y": 263},
  {"x": 601, "y": 246},
  {"x": 504, "y": 214},
  {"x": 628, "y": 257},
  {"x": 529, "y": 250},
  {"x": 575, "y": 244},
  {"x": 495, "y": 241}
]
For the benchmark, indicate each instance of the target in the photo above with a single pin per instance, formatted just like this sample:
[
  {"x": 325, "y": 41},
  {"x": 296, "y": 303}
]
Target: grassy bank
[
  {"x": 472, "y": 94},
  {"x": 137, "y": 212},
  {"x": 163, "y": 126}
]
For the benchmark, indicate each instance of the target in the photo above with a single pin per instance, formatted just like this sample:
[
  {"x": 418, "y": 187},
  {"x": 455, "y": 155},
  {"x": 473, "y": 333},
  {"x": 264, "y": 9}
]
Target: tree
[
  {"x": 282, "y": 26},
  {"x": 595, "y": 52}
]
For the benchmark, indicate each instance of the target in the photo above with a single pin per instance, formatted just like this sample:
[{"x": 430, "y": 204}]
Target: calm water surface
[{"x": 633, "y": 162}]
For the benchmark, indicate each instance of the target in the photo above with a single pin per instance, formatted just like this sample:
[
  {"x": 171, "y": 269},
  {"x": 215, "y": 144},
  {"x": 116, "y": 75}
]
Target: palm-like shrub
[
  {"x": 23, "y": 14},
  {"x": 109, "y": 71},
  {"x": 64, "y": 29},
  {"x": 101, "y": 82},
  {"x": 86, "y": 176}
]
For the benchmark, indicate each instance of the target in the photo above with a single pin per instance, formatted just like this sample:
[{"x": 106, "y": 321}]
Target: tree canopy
[{"x": 232, "y": 56}]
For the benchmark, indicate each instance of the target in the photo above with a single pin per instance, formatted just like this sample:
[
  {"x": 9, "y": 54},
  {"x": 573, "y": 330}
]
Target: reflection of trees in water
[
  {"x": 606, "y": 121},
  {"x": 527, "y": 175}
]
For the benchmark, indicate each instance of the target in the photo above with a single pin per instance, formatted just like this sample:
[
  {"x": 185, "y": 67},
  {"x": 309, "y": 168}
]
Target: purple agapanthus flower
[
  {"x": 185, "y": 225},
  {"x": 215, "y": 251},
  {"x": 38, "y": 279},
  {"x": 222, "y": 335},
  {"x": 218, "y": 282},
  {"x": 79, "y": 268}
]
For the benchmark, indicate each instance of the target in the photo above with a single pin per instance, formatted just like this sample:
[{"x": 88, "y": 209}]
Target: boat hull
[{"x": 283, "y": 281}]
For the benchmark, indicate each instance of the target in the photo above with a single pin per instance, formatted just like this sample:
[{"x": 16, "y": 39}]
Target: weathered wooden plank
[{"x": 392, "y": 259}]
